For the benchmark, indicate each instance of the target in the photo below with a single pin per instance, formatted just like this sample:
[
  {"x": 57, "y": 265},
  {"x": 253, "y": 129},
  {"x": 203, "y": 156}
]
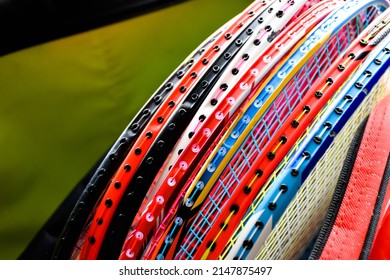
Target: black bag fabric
[{"x": 24, "y": 23}]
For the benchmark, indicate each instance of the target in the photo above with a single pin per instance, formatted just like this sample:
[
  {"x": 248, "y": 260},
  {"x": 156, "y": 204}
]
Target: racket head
[
  {"x": 209, "y": 231},
  {"x": 196, "y": 143},
  {"x": 300, "y": 223},
  {"x": 116, "y": 189},
  {"x": 206, "y": 165},
  {"x": 140, "y": 183},
  {"x": 298, "y": 167},
  {"x": 275, "y": 18}
]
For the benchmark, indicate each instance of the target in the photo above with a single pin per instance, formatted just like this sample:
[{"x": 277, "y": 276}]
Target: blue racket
[{"x": 310, "y": 150}]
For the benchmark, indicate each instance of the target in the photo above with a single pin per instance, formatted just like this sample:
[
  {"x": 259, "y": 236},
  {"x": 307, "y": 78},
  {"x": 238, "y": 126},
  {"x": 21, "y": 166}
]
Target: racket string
[
  {"x": 342, "y": 38},
  {"x": 338, "y": 110},
  {"x": 296, "y": 227}
]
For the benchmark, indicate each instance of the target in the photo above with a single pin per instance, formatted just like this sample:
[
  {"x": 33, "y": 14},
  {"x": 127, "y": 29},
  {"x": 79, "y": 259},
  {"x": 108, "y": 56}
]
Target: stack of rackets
[{"x": 237, "y": 155}]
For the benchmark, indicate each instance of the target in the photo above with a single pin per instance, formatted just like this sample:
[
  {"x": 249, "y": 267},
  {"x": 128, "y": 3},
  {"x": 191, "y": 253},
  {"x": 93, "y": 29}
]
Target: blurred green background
[{"x": 65, "y": 102}]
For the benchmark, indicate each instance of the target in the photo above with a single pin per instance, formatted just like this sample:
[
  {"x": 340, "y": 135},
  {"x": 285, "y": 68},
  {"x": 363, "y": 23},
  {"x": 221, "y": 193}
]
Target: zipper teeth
[
  {"x": 369, "y": 240},
  {"x": 338, "y": 193}
]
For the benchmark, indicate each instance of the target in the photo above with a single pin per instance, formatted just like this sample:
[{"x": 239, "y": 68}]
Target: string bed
[
  {"x": 195, "y": 193},
  {"x": 289, "y": 10},
  {"x": 279, "y": 191},
  {"x": 299, "y": 225},
  {"x": 193, "y": 242},
  {"x": 165, "y": 141},
  {"x": 211, "y": 120},
  {"x": 283, "y": 140},
  {"x": 242, "y": 161},
  {"x": 198, "y": 135},
  {"x": 280, "y": 15}
]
